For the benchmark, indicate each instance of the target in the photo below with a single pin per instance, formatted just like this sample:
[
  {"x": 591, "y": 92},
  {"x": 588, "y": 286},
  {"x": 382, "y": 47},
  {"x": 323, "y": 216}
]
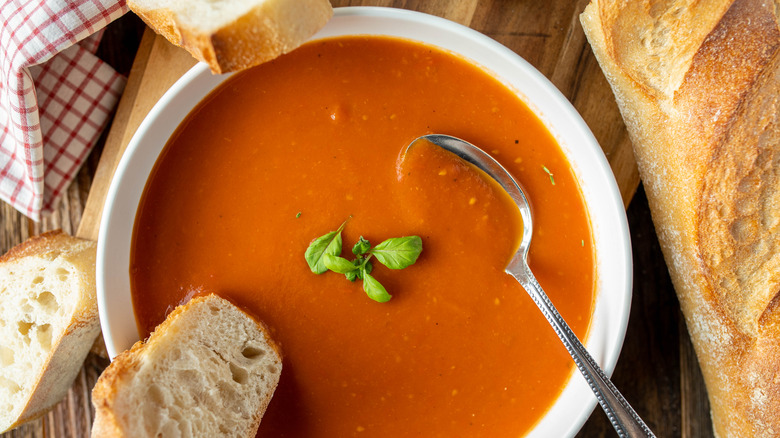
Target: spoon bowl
[{"x": 624, "y": 419}]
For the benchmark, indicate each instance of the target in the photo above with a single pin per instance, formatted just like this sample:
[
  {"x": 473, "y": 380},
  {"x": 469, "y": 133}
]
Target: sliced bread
[
  {"x": 232, "y": 35},
  {"x": 208, "y": 370},
  {"x": 48, "y": 322}
]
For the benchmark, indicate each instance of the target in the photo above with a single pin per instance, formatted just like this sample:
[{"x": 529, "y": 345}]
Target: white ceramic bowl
[{"x": 612, "y": 244}]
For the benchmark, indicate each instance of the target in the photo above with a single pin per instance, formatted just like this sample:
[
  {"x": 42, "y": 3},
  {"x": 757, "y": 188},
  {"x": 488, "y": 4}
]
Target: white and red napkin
[{"x": 55, "y": 95}]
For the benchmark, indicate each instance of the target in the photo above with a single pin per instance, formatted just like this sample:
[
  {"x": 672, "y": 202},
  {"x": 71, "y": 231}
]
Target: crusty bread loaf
[
  {"x": 208, "y": 370},
  {"x": 48, "y": 321},
  {"x": 231, "y": 35},
  {"x": 698, "y": 84}
]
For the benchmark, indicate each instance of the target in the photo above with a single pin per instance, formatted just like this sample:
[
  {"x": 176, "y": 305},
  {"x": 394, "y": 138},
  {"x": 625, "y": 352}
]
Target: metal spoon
[{"x": 623, "y": 418}]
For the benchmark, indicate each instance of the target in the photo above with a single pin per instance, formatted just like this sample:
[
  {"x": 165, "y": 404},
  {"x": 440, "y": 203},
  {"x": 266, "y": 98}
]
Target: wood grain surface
[{"x": 657, "y": 370}]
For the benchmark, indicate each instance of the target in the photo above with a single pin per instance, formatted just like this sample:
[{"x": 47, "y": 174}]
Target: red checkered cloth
[{"x": 55, "y": 95}]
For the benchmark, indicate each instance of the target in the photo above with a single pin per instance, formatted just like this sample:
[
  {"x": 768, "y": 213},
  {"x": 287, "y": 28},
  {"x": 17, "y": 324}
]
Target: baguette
[
  {"x": 48, "y": 322},
  {"x": 232, "y": 35},
  {"x": 698, "y": 85},
  {"x": 208, "y": 370}
]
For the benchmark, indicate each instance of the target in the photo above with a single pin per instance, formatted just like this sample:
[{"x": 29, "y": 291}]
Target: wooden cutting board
[
  {"x": 158, "y": 65},
  {"x": 549, "y": 36}
]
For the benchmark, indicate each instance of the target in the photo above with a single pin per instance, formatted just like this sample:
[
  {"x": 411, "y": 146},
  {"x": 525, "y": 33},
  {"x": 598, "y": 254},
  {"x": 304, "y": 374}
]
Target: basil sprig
[{"x": 323, "y": 254}]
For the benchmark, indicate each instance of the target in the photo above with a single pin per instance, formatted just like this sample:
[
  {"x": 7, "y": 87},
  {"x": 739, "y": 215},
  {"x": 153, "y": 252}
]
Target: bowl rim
[{"x": 611, "y": 238}]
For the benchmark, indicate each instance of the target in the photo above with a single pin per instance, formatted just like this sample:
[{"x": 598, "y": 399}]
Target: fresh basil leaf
[
  {"x": 398, "y": 252},
  {"x": 328, "y": 244},
  {"x": 354, "y": 275},
  {"x": 366, "y": 267},
  {"x": 338, "y": 264},
  {"x": 361, "y": 247},
  {"x": 374, "y": 289}
]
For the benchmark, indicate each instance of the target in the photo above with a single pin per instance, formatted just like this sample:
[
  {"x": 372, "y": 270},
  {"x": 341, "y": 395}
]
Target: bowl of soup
[{"x": 230, "y": 178}]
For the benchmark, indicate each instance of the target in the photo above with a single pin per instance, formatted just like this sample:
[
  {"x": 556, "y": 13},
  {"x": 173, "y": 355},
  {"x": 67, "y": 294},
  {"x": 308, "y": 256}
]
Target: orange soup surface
[{"x": 286, "y": 152}]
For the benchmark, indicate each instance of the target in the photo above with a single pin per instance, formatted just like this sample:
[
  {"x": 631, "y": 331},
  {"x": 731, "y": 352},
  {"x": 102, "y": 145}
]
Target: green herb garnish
[
  {"x": 298, "y": 215},
  {"x": 338, "y": 264},
  {"x": 375, "y": 290},
  {"x": 552, "y": 180},
  {"x": 323, "y": 254},
  {"x": 361, "y": 247},
  {"x": 328, "y": 244},
  {"x": 398, "y": 252}
]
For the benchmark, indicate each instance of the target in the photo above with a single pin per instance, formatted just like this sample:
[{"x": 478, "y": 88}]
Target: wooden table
[{"x": 657, "y": 370}]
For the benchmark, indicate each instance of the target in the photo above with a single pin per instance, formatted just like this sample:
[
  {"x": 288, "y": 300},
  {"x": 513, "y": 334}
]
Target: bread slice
[
  {"x": 232, "y": 35},
  {"x": 48, "y": 321},
  {"x": 698, "y": 84},
  {"x": 208, "y": 370}
]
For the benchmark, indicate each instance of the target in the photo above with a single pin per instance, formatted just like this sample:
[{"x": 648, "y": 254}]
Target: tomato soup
[{"x": 286, "y": 152}]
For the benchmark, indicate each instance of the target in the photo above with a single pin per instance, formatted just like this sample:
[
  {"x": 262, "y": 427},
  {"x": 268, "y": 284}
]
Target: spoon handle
[{"x": 623, "y": 418}]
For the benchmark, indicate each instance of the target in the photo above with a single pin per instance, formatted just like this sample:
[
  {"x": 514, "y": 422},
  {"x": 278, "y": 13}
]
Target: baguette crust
[
  {"x": 703, "y": 117},
  {"x": 269, "y": 29},
  {"x": 164, "y": 362},
  {"x": 74, "y": 324}
]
